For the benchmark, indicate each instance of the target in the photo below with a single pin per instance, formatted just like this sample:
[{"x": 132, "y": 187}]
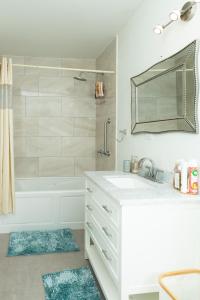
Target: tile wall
[
  {"x": 107, "y": 109},
  {"x": 54, "y": 118}
]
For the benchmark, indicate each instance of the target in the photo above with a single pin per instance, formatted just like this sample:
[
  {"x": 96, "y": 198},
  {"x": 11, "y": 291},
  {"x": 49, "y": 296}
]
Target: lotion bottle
[
  {"x": 184, "y": 177},
  {"x": 177, "y": 175},
  {"x": 193, "y": 177}
]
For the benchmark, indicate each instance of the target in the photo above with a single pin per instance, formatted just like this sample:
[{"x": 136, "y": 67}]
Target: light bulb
[
  {"x": 175, "y": 15},
  {"x": 158, "y": 29}
]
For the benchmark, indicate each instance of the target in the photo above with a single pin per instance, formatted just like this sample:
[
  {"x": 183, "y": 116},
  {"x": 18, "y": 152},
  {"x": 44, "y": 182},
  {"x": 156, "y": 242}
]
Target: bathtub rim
[{"x": 50, "y": 193}]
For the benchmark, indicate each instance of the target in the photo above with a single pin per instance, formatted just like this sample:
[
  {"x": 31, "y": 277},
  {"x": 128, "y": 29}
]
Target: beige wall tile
[
  {"x": 79, "y": 147},
  {"x": 43, "y": 106},
  {"x": 20, "y": 147},
  {"x": 25, "y": 85},
  {"x": 54, "y": 118},
  {"x": 79, "y": 63},
  {"x": 18, "y": 60},
  {"x": 19, "y": 106},
  {"x": 79, "y": 107},
  {"x": 55, "y": 86},
  {"x": 43, "y": 146},
  {"x": 107, "y": 110},
  {"x": 43, "y": 61},
  {"x": 56, "y": 166},
  {"x": 26, "y": 167},
  {"x": 84, "y": 88},
  {"x": 25, "y": 126},
  {"x": 84, "y": 164},
  {"x": 56, "y": 126},
  {"x": 84, "y": 126}
]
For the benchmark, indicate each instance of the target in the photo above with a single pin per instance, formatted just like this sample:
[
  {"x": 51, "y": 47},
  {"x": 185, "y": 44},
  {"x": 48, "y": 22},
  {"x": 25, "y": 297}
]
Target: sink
[{"x": 126, "y": 182}]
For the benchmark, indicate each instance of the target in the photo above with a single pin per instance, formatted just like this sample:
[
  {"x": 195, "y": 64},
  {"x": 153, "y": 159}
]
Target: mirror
[{"x": 164, "y": 97}]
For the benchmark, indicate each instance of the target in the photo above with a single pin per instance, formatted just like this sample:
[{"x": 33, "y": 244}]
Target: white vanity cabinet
[{"x": 129, "y": 243}]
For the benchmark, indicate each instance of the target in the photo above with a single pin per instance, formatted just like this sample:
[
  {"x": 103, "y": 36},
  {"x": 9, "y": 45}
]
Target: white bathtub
[{"x": 46, "y": 203}]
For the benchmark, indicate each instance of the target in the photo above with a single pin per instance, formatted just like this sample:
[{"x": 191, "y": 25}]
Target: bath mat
[
  {"x": 73, "y": 284},
  {"x": 41, "y": 242}
]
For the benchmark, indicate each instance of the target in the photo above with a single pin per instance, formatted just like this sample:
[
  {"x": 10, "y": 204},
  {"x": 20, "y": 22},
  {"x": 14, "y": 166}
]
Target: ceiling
[{"x": 61, "y": 28}]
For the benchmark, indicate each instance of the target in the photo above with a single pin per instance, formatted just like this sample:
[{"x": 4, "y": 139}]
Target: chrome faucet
[
  {"x": 151, "y": 172},
  {"x": 150, "y": 167}
]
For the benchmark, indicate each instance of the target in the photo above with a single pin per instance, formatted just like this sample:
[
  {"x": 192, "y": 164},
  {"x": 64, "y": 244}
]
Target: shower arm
[{"x": 105, "y": 150}]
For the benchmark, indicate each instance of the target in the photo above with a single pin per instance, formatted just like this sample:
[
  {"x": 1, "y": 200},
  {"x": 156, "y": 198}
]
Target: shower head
[{"x": 80, "y": 78}]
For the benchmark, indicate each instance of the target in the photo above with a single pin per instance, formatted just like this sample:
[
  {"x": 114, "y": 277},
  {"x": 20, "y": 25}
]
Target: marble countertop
[{"x": 153, "y": 193}]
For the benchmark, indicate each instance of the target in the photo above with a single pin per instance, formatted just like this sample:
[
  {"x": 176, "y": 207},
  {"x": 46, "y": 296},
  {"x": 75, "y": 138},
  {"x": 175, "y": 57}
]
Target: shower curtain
[{"x": 7, "y": 180}]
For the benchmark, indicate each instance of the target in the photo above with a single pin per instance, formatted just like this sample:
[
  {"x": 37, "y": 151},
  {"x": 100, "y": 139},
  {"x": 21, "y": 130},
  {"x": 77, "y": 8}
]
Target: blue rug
[
  {"x": 75, "y": 284},
  {"x": 41, "y": 242}
]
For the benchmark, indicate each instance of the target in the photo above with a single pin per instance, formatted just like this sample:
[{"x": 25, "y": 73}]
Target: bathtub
[{"x": 46, "y": 203}]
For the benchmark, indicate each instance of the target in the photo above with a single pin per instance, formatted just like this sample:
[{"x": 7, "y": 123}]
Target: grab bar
[{"x": 105, "y": 150}]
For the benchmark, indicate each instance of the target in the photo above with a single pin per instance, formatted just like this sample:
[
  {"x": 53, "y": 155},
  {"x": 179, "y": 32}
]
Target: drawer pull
[
  {"x": 89, "y": 207},
  {"x": 89, "y": 225},
  {"x": 106, "y": 232},
  {"x": 105, "y": 253},
  {"x": 107, "y": 209},
  {"x": 89, "y": 190}
]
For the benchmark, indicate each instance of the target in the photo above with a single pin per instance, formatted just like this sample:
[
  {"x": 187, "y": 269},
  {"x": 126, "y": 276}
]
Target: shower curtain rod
[{"x": 67, "y": 69}]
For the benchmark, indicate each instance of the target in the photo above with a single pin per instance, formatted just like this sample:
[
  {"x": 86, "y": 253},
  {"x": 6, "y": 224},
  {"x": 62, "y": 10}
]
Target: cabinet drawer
[
  {"x": 109, "y": 233},
  {"x": 107, "y": 206},
  {"x": 110, "y": 259},
  {"x": 89, "y": 203},
  {"x": 90, "y": 187}
]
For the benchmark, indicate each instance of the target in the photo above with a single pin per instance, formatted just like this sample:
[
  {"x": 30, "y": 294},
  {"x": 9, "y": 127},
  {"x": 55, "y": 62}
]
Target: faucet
[
  {"x": 150, "y": 168},
  {"x": 153, "y": 174}
]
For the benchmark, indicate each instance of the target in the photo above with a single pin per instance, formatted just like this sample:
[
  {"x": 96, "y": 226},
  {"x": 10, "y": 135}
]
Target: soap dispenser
[{"x": 134, "y": 164}]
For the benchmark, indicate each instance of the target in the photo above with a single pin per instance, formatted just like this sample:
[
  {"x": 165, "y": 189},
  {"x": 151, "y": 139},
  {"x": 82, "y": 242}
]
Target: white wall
[{"x": 139, "y": 48}]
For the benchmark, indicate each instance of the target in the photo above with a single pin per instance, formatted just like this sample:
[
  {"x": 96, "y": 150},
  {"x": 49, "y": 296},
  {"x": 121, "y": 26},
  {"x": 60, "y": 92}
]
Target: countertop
[{"x": 154, "y": 193}]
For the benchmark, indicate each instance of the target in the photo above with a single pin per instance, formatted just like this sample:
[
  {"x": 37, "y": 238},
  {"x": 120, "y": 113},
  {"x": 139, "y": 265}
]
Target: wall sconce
[{"x": 185, "y": 14}]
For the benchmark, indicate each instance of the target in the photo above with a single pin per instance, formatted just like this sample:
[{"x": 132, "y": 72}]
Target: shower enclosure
[{"x": 55, "y": 132}]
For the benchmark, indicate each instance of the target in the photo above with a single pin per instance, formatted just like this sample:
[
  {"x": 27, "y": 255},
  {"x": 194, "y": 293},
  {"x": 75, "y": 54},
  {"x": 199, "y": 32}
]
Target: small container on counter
[
  {"x": 127, "y": 166},
  {"x": 134, "y": 164}
]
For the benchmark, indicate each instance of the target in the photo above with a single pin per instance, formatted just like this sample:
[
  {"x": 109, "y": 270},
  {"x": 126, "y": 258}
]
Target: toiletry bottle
[
  {"x": 126, "y": 166},
  {"x": 184, "y": 177},
  {"x": 193, "y": 177},
  {"x": 134, "y": 164},
  {"x": 177, "y": 175}
]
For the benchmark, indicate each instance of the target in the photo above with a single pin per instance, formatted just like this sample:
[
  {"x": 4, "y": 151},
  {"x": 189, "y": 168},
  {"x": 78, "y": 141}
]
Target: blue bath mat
[
  {"x": 74, "y": 284},
  {"x": 41, "y": 242}
]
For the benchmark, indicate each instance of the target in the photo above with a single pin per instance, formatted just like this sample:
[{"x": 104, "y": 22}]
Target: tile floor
[{"x": 20, "y": 277}]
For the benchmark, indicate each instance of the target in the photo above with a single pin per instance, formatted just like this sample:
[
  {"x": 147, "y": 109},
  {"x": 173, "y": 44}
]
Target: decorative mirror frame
[{"x": 166, "y": 125}]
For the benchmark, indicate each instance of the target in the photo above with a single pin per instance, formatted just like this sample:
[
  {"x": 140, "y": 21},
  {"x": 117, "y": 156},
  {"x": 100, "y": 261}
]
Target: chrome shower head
[{"x": 80, "y": 78}]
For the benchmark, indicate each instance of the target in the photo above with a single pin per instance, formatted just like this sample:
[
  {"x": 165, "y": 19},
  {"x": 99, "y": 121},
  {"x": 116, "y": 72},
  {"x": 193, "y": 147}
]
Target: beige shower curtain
[{"x": 7, "y": 180}]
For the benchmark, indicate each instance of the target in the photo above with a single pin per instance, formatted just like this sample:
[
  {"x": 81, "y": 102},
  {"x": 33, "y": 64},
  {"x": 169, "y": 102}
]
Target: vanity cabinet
[{"x": 129, "y": 243}]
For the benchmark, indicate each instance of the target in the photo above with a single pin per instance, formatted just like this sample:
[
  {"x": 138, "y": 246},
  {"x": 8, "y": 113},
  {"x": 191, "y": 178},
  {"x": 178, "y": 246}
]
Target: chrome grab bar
[{"x": 105, "y": 150}]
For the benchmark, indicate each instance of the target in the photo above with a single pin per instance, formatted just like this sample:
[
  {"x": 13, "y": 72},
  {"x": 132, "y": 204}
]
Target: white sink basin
[{"x": 126, "y": 182}]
